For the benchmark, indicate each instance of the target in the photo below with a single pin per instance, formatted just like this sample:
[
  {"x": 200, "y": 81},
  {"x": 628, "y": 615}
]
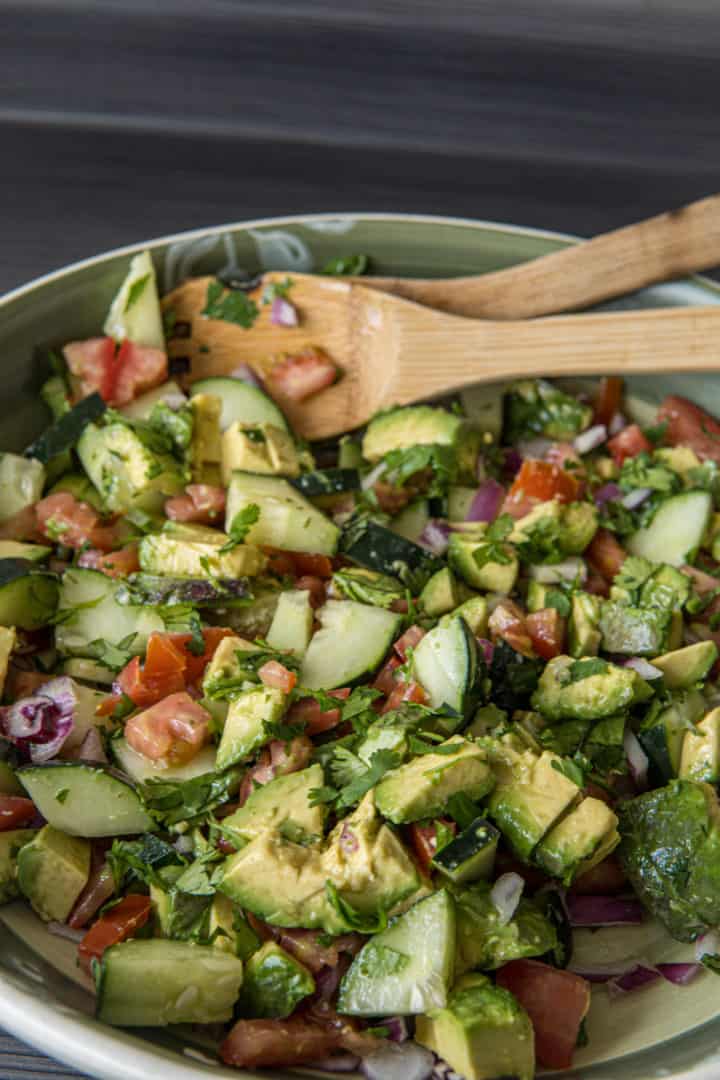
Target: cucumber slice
[
  {"x": 14, "y": 549},
  {"x": 407, "y": 968},
  {"x": 287, "y": 520},
  {"x": 240, "y": 401},
  {"x": 676, "y": 530},
  {"x": 21, "y": 484},
  {"x": 327, "y": 482},
  {"x": 377, "y": 548},
  {"x": 135, "y": 310},
  {"x": 411, "y": 521},
  {"x": 89, "y": 615},
  {"x": 66, "y": 431},
  {"x": 88, "y": 671},
  {"x": 141, "y": 407},
  {"x": 28, "y": 596},
  {"x": 351, "y": 644},
  {"x": 85, "y": 800},
  {"x": 445, "y": 664},
  {"x": 141, "y": 769},
  {"x": 154, "y": 982}
]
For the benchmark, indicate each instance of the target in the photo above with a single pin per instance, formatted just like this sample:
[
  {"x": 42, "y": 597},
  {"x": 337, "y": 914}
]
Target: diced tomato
[
  {"x": 116, "y": 564},
  {"x": 137, "y": 368},
  {"x": 596, "y": 584},
  {"x": 23, "y": 683},
  {"x": 315, "y": 586},
  {"x": 391, "y": 499},
  {"x": 62, "y": 519},
  {"x": 400, "y": 606},
  {"x": 172, "y": 730},
  {"x": 203, "y": 503},
  {"x": 603, "y": 880},
  {"x": 547, "y": 632},
  {"x": 412, "y": 636},
  {"x": 543, "y": 481},
  {"x": 609, "y": 399},
  {"x": 385, "y": 679},
  {"x": 277, "y": 759},
  {"x": 628, "y": 443},
  {"x": 277, "y": 676},
  {"x": 689, "y": 425},
  {"x": 163, "y": 672},
  {"x": 307, "y": 711},
  {"x": 605, "y": 554},
  {"x": 508, "y": 622},
  {"x": 120, "y": 923},
  {"x": 300, "y": 375},
  {"x": 423, "y": 839},
  {"x": 280, "y": 563},
  {"x": 195, "y": 664},
  {"x": 21, "y": 526},
  {"x": 405, "y": 693},
  {"x": 557, "y": 1002},
  {"x": 257, "y": 1043},
  {"x": 93, "y": 363},
  {"x": 313, "y": 565},
  {"x": 15, "y": 811}
]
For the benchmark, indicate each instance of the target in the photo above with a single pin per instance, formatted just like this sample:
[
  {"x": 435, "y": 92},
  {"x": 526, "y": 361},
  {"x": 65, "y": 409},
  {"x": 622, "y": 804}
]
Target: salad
[{"x": 338, "y": 755}]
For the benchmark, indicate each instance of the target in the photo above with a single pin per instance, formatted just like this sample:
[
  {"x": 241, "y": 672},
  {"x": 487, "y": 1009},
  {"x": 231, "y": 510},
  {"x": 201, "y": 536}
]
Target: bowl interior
[{"x": 660, "y": 1031}]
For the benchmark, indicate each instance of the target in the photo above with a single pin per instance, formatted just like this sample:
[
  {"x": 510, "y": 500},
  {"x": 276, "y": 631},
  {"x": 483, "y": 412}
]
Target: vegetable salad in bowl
[{"x": 348, "y": 756}]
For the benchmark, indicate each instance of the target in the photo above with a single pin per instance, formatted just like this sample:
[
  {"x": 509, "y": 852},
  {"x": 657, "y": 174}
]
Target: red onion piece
[
  {"x": 62, "y": 930},
  {"x": 635, "y": 498},
  {"x": 591, "y": 910},
  {"x": 90, "y": 749},
  {"x": 246, "y": 374},
  {"x": 435, "y": 536},
  {"x": 487, "y": 648},
  {"x": 644, "y": 668},
  {"x": 486, "y": 502},
  {"x": 348, "y": 840},
  {"x": 39, "y": 724},
  {"x": 341, "y": 1063},
  {"x": 617, "y": 424},
  {"x": 637, "y": 759},
  {"x": 607, "y": 493},
  {"x": 590, "y": 440},
  {"x": 283, "y": 313},
  {"x": 397, "y": 1028},
  {"x": 398, "y": 1061},
  {"x": 505, "y": 895},
  {"x": 635, "y": 979},
  {"x": 679, "y": 974}
]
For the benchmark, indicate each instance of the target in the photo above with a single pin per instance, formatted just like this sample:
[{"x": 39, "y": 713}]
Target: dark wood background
[{"x": 126, "y": 119}]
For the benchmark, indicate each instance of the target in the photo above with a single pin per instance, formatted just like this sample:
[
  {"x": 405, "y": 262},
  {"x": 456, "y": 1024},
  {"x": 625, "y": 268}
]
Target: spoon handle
[{"x": 671, "y": 245}]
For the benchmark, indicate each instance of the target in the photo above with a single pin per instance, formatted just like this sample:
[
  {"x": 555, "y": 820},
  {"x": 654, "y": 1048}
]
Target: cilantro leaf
[
  {"x": 443, "y": 835},
  {"x": 276, "y": 290},
  {"x": 354, "y": 778},
  {"x": 438, "y": 459},
  {"x": 560, "y": 601},
  {"x": 642, "y": 472},
  {"x": 235, "y": 306},
  {"x": 711, "y": 961},
  {"x": 184, "y": 800},
  {"x": 571, "y": 770},
  {"x": 351, "y": 917},
  {"x": 240, "y": 526},
  {"x": 542, "y": 543},
  {"x": 492, "y": 548},
  {"x": 634, "y": 573},
  {"x": 132, "y": 861}
]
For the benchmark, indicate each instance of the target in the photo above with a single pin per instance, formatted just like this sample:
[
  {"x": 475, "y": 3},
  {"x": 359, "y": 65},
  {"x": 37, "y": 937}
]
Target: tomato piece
[
  {"x": 409, "y": 640},
  {"x": 307, "y": 711},
  {"x": 277, "y": 1042},
  {"x": 391, "y": 499},
  {"x": 280, "y": 563},
  {"x": 163, "y": 672},
  {"x": 21, "y": 526},
  {"x": 62, "y": 519},
  {"x": 277, "y": 676},
  {"x": 385, "y": 679},
  {"x": 298, "y": 376},
  {"x": 689, "y": 425},
  {"x": 195, "y": 664},
  {"x": 311, "y": 565},
  {"x": 203, "y": 503},
  {"x": 556, "y": 1001},
  {"x": 173, "y": 729},
  {"x": 116, "y": 564},
  {"x": 277, "y": 759},
  {"x": 137, "y": 368},
  {"x": 93, "y": 363},
  {"x": 596, "y": 584},
  {"x": 543, "y": 481},
  {"x": 15, "y": 811},
  {"x": 547, "y": 632},
  {"x": 423, "y": 840},
  {"x": 315, "y": 586},
  {"x": 403, "y": 692},
  {"x": 604, "y": 879},
  {"x": 628, "y": 443},
  {"x": 605, "y": 554},
  {"x": 608, "y": 400},
  {"x": 508, "y": 622},
  {"x": 120, "y": 923}
]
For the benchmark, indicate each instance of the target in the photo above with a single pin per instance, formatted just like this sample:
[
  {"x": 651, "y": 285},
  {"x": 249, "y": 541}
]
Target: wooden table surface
[{"x": 127, "y": 119}]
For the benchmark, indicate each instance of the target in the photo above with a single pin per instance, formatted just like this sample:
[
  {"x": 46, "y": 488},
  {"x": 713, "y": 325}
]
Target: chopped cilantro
[
  {"x": 493, "y": 548},
  {"x": 542, "y": 543},
  {"x": 439, "y": 459},
  {"x": 711, "y": 961},
  {"x": 235, "y": 306},
  {"x": 443, "y": 835},
  {"x": 643, "y": 472},
  {"x": 462, "y": 809},
  {"x": 275, "y": 290},
  {"x": 62, "y": 795},
  {"x": 560, "y": 601},
  {"x": 634, "y": 573},
  {"x": 351, "y": 917},
  {"x": 275, "y": 729},
  {"x": 656, "y": 432},
  {"x": 240, "y": 527},
  {"x": 571, "y": 770}
]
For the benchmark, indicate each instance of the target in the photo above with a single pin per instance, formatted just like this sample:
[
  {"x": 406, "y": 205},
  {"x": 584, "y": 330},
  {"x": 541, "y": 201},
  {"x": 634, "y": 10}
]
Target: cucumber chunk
[
  {"x": 445, "y": 663},
  {"x": 327, "y": 482},
  {"x": 135, "y": 310},
  {"x": 351, "y": 644},
  {"x": 152, "y": 983},
  {"x": 66, "y": 431},
  {"x": 287, "y": 520},
  {"x": 90, "y": 615},
  {"x": 28, "y": 596},
  {"x": 241, "y": 402},
  {"x": 141, "y": 769},
  {"x": 21, "y": 484},
  {"x": 676, "y": 530},
  {"x": 85, "y": 800},
  {"x": 407, "y": 968},
  {"x": 377, "y": 548}
]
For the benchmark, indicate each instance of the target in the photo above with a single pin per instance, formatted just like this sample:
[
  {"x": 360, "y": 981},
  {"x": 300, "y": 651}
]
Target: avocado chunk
[
  {"x": 245, "y": 728},
  {"x": 579, "y": 524},
  {"x": 231, "y": 668},
  {"x": 664, "y": 729},
  {"x": 206, "y": 443},
  {"x": 125, "y": 471},
  {"x": 52, "y": 871},
  {"x": 666, "y": 588},
  {"x": 466, "y": 553},
  {"x": 604, "y": 744},
  {"x": 587, "y": 689},
  {"x": 485, "y": 941},
  {"x": 274, "y": 983},
  {"x": 178, "y": 914},
  {"x": 571, "y": 846},
  {"x": 584, "y": 636},
  {"x": 11, "y": 842},
  {"x": 483, "y": 1032},
  {"x": 194, "y": 551},
  {"x": 422, "y": 787},
  {"x": 670, "y": 851},
  {"x": 700, "y": 757},
  {"x": 283, "y": 804},
  {"x": 258, "y": 448},
  {"x": 474, "y": 612},
  {"x": 633, "y": 631},
  {"x": 229, "y": 930},
  {"x": 537, "y": 407},
  {"x": 682, "y": 668},
  {"x": 555, "y": 527},
  {"x": 7, "y": 644},
  {"x": 400, "y": 429},
  {"x": 470, "y": 855},
  {"x": 440, "y": 593}
]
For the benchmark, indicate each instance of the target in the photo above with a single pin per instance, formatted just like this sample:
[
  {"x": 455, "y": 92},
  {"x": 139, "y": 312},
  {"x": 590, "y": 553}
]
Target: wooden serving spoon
[
  {"x": 671, "y": 245},
  {"x": 391, "y": 351}
]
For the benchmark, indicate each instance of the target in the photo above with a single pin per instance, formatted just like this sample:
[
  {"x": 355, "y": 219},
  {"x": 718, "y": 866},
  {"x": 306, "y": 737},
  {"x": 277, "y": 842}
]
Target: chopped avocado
[
  {"x": 7, "y": 644},
  {"x": 195, "y": 552},
  {"x": 474, "y": 613},
  {"x": 700, "y": 757},
  {"x": 229, "y": 930},
  {"x": 604, "y": 745},
  {"x": 483, "y": 1032},
  {"x": 579, "y": 525},
  {"x": 274, "y": 983},
  {"x": 568, "y": 849},
  {"x": 15, "y": 549},
  {"x": 258, "y": 448},
  {"x": 422, "y": 787},
  {"x": 206, "y": 443},
  {"x": 537, "y": 595},
  {"x": 245, "y": 728},
  {"x": 460, "y": 499},
  {"x": 227, "y": 672},
  {"x": 663, "y": 730},
  {"x": 563, "y": 738},
  {"x": 470, "y": 855},
  {"x": 666, "y": 588},
  {"x": 466, "y": 553},
  {"x": 537, "y": 407},
  {"x": 52, "y": 871},
  {"x": 179, "y": 915},
  {"x": 670, "y": 851},
  {"x": 126, "y": 472},
  {"x": 485, "y": 720},
  {"x": 283, "y": 804},
  {"x": 633, "y": 631},
  {"x": 485, "y": 941},
  {"x": 567, "y": 529},
  {"x": 584, "y": 637},
  {"x": 21, "y": 483},
  {"x": 440, "y": 593},
  {"x": 400, "y": 429},
  {"x": 11, "y": 842},
  {"x": 292, "y": 625},
  {"x": 682, "y": 668},
  {"x": 532, "y": 793},
  {"x": 681, "y": 459},
  {"x": 587, "y": 689}
]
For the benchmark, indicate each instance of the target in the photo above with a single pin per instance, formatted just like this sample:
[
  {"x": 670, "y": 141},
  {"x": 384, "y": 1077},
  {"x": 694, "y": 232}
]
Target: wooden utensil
[
  {"x": 671, "y": 245},
  {"x": 391, "y": 351}
]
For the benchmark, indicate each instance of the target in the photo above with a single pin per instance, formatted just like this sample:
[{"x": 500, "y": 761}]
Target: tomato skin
[
  {"x": 163, "y": 672},
  {"x": 120, "y": 923},
  {"x": 62, "y": 518},
  {"x": 308, "y": 711},
  {"x": 547, "y": 632},
  {"x": 508, "y": 622},
  {"x": 298, "y": 376},
  {"x": 423, "y": 839},
  {"x": 137, "y": 368},
  {"x": 280, "y": 563},
  {"x": 92, "y": 362},
  {"x": 605, "y": 554},
  {"x": 628, "y": 443},
  {"x": 403, "y": 692},
  {"x": 543, "y": 481},
  {"x": 195, "y": 665},
  {"x": 173, "y": 729},
  {"x": 277, "y": 676},
  {"x": 689, "y": 425},
  {"x": 306, "y": 564},
  {"x": 409, "y": 640},
  {"x": 15, "y": 811},
  {"x": 116, "y": 564},
  {"x": 315, "y": 586},
  {"x": 385, "y": 679},
  {"x": 556, "y": 1001},
  {"x": 277, "y": 1042},
  {"x": 609, "y": 399},
  {"x": 203, "y": 503}
]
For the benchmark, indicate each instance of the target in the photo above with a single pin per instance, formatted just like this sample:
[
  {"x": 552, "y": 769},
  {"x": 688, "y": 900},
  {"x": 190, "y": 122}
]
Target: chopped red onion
[
  {"x": 590, "y": 440},
  {"x": 617, "y": 424},
  {"x": 644, "y": 668},
  {"x": 536, "y": 449},
  {"x": 635, "y": 498},
  {"x": 247, "y": 375},
  {"x": 637, "y": 759},
  {"x": 505, "y": 895},
  {"x": 39, "y": 724},
  {"x": 591, "y": 910},
  {"x": 370, "y": 478},
  {"x": 435, "y": 536},
  {"x": 607, "y": 493},
  {"x": 512, "y": 460},
  {"x": 283, "y": 313},
  {"x": 397, "y": 1028},
  {"x": 487, "y": 648},
  {"x": 90, "y": 749},
  {"x": 679, "y": 974},
  {"x": 600, "y": 973},
  {"x": 633, "y": 980},
  {"x": 486, "y": 502},
  {"x": 398, "y": 1061},
  {"x": 342, "y": 1063},
  {"x": 62, "y": 930}
]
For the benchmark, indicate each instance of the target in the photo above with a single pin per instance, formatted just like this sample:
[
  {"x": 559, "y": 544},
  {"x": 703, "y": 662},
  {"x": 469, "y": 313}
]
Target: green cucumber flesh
[
  {"x": 15, "y": 549},
  {"x": 471, "y": 855},
  {"x": 445, "y": 664},
  {"x": 28, "y": 596},
  {"x": 378, "y": 548},
  {"x": 676, "y": 530},
  {"x": 287, "y": 520},
  {"x": 351, "y": 644},
  {"x": 241, "y": 402},
  {"x": 84, "y": 799},
  {"x": 89, "y": 614},
  {"x": 141, "y": 769},
  {"x": 327, "y": 482}
]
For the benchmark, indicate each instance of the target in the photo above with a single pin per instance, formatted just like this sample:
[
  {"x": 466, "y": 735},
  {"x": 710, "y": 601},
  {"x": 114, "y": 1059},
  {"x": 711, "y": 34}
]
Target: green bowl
[{"x": 661, "y": 1031}]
